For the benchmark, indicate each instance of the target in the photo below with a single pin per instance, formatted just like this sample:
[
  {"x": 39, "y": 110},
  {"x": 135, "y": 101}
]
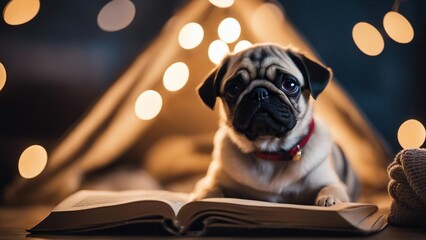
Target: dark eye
[
  {"x": 232, "y": 90},
  {"x": 290, "y": 85}
]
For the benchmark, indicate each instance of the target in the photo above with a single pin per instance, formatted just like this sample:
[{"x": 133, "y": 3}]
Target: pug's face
[{"x": 265, "y": 90}]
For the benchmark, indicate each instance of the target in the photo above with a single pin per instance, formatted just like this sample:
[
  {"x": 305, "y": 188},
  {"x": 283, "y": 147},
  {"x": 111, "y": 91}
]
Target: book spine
[{"x": 173, "y": 227}]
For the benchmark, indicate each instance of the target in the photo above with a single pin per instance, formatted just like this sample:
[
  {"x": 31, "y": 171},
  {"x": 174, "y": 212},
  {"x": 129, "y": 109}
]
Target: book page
[
  {"x": 255, "y": 203},
  {"x": 259, "y": 214},
  {"x": 87, "y": 199}
]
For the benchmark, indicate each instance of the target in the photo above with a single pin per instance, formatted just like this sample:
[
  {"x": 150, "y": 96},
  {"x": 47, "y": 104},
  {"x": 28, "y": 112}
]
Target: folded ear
[
  {"x": 209, "y": 89},
  {"x": 316, "y": 75}
]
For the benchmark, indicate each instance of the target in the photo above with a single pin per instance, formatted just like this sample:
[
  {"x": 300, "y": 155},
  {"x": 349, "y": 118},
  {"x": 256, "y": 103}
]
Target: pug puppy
[{"x": 269, "y": 145}]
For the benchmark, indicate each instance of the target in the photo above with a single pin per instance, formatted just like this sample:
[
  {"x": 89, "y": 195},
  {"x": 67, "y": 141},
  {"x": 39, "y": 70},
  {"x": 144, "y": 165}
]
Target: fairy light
[
  {"x": 368, "y": 39},
  {"x": 411, "y": 134},
  {"x": 191, "y": 35},
  {"x": 229, "y": 30},
  {"x": 176, "y": 76},
  {"x": 116, "y": 15},
  {"x": 217, "y": 51},
  {"x": 19, "y": 12},
  {"x": 32, "y": 161},
  {"x": 398, "y": 27},
  {"x": 242, "y": 45},
  {"x": 2, "y": 76},
  {"x": 148, "y": 105},
  {"x": 222, "y": 3}
]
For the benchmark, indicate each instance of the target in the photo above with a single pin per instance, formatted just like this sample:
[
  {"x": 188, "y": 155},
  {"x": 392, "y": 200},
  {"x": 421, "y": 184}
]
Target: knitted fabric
[{"x": 407, "y": 187}]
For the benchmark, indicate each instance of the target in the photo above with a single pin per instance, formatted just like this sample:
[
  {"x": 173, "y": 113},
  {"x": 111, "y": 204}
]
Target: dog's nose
[{"x": 260, "y": 94}]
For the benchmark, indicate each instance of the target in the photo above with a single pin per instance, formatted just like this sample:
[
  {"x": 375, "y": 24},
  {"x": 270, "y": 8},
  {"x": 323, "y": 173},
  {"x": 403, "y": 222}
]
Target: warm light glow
[
  {"x": 267, "y": 9},
  {"x": 398, "y": 27},
  {"x": 411, "y": 134},
  {"x": 242, "y": 45},
  {"x": 217, "y": 51},
  {"x": 229, "y": 30},
  {"x": 265, "y": 20},
  {"x": 368, "y": 39},
  {"x": 191, "y": 35},
  {"x": 148, "y": 105},
  {"x": 2, "y": 76},
  {"x": 116, "y": 15},
  {"x": 176, "y": 76},
  {"x": 32, "y": 162},
  {"x": 19, "y": 12},
  {"x": 222, "y": 3}
]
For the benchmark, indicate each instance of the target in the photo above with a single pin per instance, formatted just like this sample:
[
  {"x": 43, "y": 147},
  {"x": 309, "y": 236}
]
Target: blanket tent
[{"x": 177, "y": 142}]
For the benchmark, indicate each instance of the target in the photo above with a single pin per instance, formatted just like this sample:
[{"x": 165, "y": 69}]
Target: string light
[
  {"x": 217, "y": 51},
  {"x": 398, "y": 27},
  {"x": 222, "y": 3},
  {"x": 368, "y": 39},
  {"x": 148, "y": 105},
  {"x": 242, "y": 45},
  {"x": 32, "y": 161},
  {"x": 411, "y": 134},
  {"x": 19, "y": 12},
  {"x": 176, "y": 76},
  {"x": 116, "y": 15},
  {"x": 2, "y": 76},
  {"x": 229, "y": 30},
  {"x": 191, "y": 35}
]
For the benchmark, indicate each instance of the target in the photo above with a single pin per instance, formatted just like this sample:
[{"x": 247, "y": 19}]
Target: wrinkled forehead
[{"x": 262, "y": 62}]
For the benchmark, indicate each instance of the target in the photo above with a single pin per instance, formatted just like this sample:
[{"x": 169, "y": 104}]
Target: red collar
[{"x": 295, "y": 153}]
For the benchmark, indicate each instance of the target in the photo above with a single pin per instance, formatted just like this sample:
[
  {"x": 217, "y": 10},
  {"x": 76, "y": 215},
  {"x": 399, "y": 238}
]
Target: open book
[{"x": 171, "y": 212}]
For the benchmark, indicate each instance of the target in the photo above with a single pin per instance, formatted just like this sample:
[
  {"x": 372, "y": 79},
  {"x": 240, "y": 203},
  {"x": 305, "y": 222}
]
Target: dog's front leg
[
  {"x": 207, "y": 188},
  {"x": 331, "y": 195}
]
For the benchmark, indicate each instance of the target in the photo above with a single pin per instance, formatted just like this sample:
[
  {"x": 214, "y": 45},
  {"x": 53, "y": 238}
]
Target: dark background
[{"x": 61, "y": 62}]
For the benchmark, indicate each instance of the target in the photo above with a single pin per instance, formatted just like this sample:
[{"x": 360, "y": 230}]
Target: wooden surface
[{"x": 14, "y": 221}]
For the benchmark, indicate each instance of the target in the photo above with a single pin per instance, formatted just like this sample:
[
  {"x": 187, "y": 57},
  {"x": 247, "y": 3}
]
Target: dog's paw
[
  {"x": 208, "y": 193},
  {"x": 331, "y": 195},
  {"x": 327, "y": 201}
]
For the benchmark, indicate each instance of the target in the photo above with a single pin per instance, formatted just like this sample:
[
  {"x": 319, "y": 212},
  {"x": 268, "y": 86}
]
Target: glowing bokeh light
[
  {"x": 222, "y": 3},
  {"x": 411, "y": 134},
  {"x": 32, "y": 161},
  {"x": 176, "y": 76},
  {"x": 368, "y": 39},
  {"x": 398, "y": 27},
  {"x": 217, "y": 51},
  {"x": 229, "y": 30},
  {"x": 148, "y": 105},
  {"x": 2, "y": 76},
  {"x": 265, "y": 20},
  {"x": 116, "y": 15},
  {"x": 19, "y": 12},
  {"x": 269, "y": 9},
  {"x": 191, "y": 35},
  {"x": 242, "y": 45}
]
